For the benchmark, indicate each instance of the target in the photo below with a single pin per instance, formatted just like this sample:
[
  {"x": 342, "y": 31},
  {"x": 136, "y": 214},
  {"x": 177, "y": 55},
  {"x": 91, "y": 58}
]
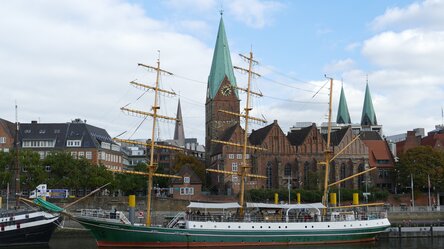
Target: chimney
[{"x": 34, "y": 122}]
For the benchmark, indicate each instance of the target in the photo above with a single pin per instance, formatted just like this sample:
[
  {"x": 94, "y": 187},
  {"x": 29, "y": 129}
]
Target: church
[{"x": 291, "y": 158}]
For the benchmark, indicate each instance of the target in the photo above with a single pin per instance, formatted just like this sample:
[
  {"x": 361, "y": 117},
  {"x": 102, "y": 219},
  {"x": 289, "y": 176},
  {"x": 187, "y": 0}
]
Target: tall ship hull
[
  {"x": 208, "y": 233},
  {"x": 27, "y": 228}
]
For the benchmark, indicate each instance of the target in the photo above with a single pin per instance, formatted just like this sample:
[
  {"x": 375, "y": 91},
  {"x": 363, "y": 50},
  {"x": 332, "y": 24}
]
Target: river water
[{"x": 84, "y": 241}]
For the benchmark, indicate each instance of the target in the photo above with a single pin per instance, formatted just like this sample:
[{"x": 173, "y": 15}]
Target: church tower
[
  {"x": 343, "y": 114},
  {"x": 368, "y": 112},
  {"x": 222, "y": 94},
  {"x": 179, "y": 134}
]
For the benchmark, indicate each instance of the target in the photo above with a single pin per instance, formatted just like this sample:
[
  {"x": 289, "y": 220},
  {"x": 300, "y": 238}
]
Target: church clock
[{"x": 226, "y": 90}]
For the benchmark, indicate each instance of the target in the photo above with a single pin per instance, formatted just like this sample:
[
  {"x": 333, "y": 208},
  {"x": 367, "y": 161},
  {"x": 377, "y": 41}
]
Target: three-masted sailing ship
[
  {"x": 19, "y": 226},
  {"x": 242, "y": 223}
]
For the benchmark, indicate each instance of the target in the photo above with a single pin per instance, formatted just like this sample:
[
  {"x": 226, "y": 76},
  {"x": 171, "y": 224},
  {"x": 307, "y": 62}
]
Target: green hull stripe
[{"x": 111, "y": 234}]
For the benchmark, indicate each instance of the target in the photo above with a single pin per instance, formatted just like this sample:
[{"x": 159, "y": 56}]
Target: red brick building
[
  {"x": 189, "y": 187},
  {"x": 7, "y": 135}
]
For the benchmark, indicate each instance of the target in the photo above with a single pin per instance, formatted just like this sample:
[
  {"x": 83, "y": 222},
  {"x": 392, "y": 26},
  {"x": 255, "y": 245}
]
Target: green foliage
[
  {"x": 129, "y": 183},
  {"x": 195, "y": 164},
  {"x": 421, "y": 162},
  {"x": 6, "y": 165}
]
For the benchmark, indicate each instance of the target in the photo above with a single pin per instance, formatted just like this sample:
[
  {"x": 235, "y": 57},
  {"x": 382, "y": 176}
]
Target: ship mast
[
  {"x": 328, "y": 153},
  {"x": 243, "y": 174},
  {"x": 151, "y": 167},
  {"x": 17, "y": 161},
  {"x": 327, "y": 150}
]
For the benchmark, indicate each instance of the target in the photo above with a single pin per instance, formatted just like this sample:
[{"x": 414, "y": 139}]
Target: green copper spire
[
  {"x": 221, "y": 65},
  {"x": 368, "y": 112},
  {"x": 343, "y": 114}
]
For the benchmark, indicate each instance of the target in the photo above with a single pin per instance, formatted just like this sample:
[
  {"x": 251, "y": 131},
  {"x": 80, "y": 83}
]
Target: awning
[
  {"x": 213, "y": 205},
  {"x": 316, "y": 205}
]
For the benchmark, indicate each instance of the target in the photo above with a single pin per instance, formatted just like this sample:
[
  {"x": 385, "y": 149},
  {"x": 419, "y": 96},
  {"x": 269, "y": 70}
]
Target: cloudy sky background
[{"x": 61, "y": 60}]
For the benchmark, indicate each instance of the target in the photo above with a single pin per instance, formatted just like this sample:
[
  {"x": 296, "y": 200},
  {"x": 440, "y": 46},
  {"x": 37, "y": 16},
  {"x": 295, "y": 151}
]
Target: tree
[
  {"x": 196, "y": 165},
  {"x": 129, "y": 183},
  {"x": 421, "y": 162}
]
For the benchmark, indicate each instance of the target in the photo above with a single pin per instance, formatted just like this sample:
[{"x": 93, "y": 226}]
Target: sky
[{"x": 62, "y": 60}]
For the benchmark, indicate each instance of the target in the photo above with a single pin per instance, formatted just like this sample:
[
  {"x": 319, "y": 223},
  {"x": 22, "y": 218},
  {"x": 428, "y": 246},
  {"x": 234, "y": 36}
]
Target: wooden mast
[
  {"x": 243, "y": 173},
  {"x": 327, "y": 150},
  {"x": 151, "y": 167},
  {"x": 17, "y": 162}
]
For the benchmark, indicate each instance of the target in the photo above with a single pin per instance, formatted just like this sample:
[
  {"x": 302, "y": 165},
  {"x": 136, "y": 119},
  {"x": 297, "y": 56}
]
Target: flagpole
[{"x": 413, "y": 195}]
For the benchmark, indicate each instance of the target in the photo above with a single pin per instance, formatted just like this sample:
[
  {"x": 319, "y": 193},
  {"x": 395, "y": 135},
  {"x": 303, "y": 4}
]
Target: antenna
[{"x": 221, "y": 11}]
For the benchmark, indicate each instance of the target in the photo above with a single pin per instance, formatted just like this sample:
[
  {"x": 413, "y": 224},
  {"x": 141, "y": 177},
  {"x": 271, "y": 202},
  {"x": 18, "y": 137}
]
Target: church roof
[
  {"x": 336, "y": 136},
  {"x": 179, "y": 134},
  {"x": 228, "y": 133},
  {"x": 369, "y": 135},
  {"x": 368, "y": 111},
  {"x": 297, "y": 137},
  {"x": 221, "y": 66},
  {"x": 343, "y": 114},
  {"x": 257, "y": 137}
]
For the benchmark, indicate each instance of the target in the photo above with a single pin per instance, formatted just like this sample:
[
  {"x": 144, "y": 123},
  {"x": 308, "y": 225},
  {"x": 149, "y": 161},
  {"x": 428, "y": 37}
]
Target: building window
[
  {"x": 287, "y": 170},
  {"x": 186, "y": 191},
  {"x": 48, "y": 168},
  {"x": 42, "y": 131},
  {"x": 234, "y": 167},
  {"x": 239, "y": 156},
  {"x": 74, "y": 154},
  {"x": 231, "y": 156},
  {"x": 247, "y": 156},
  {"x": 56, "y": 131},
  {"x": 81, "y": 154},
  {"x": 89, "y": 155},
  {"x": 186, "y": 179},
  {"x": 27, "y": 131},
  {"x": 73, "y": 143},
  {"x": 2, "y": 140}
]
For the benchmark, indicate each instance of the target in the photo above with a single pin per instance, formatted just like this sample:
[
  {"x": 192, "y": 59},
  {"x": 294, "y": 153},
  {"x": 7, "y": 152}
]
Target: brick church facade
[{"x": 294, "y": 157}]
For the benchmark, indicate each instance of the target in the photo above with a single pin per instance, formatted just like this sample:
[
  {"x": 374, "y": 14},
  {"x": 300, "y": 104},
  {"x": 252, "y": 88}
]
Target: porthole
[
  {"x": 279, "y": 227},
  {"x": 201, "y": 226},
  {"x": 229, "y": 226},
  {"x": 269, "y": 226},
  {"x": 345, "y": 225},
  {"x": 312, "y": 226},
  {"x": 194, "y": 225},
  {"x": 305, "y": 226},
  {"x": 252, "y": 226},
  {"x": 214, "y": 226},
  {"x": 238, "y": 227},
  {"x": 261, "y": 226},
  {"x": 285, "y": 226},
  {"x": 328, "y": 226},
  {"x": 351, "y": 225}
]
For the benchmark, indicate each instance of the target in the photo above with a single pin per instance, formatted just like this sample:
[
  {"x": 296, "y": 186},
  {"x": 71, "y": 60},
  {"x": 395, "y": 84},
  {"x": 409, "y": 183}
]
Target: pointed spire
[
  {"x": 179, "y": 134},
  {"x": 343, "y": 114},
  {"x": 221, "y": 65},
  {"x": 368, "y": 112}
]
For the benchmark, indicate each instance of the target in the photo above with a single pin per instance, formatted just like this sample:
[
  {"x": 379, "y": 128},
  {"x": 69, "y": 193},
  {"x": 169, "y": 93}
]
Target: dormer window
[
  {"x": 73, "y": 143},
  {"x": 186, "y": 179}
]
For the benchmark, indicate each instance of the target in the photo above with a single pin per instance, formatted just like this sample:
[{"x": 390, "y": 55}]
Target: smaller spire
[
  {"x": 368, "y": 111},
  {"x": 179, "y": 134},
  {"x": 343, "y": 114}
]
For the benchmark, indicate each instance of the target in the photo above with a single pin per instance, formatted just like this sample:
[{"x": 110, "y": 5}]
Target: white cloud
[
  {"x": 407, "y": 50},
  {"x": 339, "y": 66},
  {"x": 353, "y": 46},
  {"x": 426, "y": 14},
  {"x": 63, "y": 60},
  {"x": 254, "y": 13},
  {"x": 193, "y": 5}
]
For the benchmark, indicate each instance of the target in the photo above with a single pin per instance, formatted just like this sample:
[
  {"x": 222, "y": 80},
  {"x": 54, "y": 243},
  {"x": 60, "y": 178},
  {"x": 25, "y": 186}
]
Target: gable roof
[
  {"x": 221, "y": 65},
  {"x": 187, "y": 170},
  {"x": 228, "y": 133},
  {"x": 370, "y": 135},
  {"x": 379, "y": 153},
  {"x": 297, "y": 137},
  {"x": 257, "y": 137},
  {"x": 8, "y": 126},
  {"x": 336, "y": 136}
]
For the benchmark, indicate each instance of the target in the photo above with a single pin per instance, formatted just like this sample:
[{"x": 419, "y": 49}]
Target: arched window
[
  {"x": 269, "y": 175},
  {"x": 342, "y": 173},
  {"x": 306, "y": 174},
  {"x": 287, "y": 169},
  {"x": 332, "y": 171}
]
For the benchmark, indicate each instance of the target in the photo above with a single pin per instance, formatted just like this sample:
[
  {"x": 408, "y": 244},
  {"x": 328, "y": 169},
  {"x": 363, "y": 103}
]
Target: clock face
[{"x": 226, "y": 90}]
